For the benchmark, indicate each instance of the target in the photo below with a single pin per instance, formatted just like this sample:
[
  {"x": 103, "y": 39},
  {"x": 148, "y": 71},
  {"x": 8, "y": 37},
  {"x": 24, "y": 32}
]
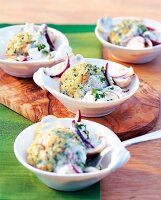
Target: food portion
[
  {"x": 80, "y": 78},
  {"x": 92, "y": 83},
  {"x": 58, "y": 150},
  {"x": 31, "y": 43},
  {"x": 62, "y": 150},
  {"x": 130, "y": 33}
]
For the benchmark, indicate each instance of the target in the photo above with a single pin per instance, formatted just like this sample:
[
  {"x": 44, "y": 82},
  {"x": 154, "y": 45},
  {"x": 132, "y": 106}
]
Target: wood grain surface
[
  {"x": 140, "y": 178},
  {"x": 134, "y": 117}
]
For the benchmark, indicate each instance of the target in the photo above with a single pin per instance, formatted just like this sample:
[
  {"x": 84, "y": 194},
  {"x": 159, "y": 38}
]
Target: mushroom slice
[
  {"x": 139, "y": 42},
  {"x": 123, "y": 82},
  {"x": 91, "y": 152},
  {"x": 114, "y": 90},
  {"x": 148, "y": 42}
]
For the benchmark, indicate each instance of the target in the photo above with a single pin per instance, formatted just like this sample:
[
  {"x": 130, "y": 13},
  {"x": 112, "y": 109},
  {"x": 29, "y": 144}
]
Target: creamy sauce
[
  {"x": 61, "y": 150},
  {"x": 89, "y": 83},
  {"x": 107, "y": 94}
]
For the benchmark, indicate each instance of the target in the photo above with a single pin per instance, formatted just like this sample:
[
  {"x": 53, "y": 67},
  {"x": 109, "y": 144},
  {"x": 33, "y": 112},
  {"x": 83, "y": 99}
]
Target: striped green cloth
[{"x": 16, "y": 182}]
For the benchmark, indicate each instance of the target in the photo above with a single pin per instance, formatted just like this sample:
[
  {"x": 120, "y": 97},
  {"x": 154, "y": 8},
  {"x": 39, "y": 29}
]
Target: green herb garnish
[
  {"x": 98, "y": 94},
  {"x": 41, "y": 46},
  {"x": 45, "y": 52},
  {"x": 141, "y": 29},
  {"x": 102, "y": 79},
  {"x": 103, "y": 69}
]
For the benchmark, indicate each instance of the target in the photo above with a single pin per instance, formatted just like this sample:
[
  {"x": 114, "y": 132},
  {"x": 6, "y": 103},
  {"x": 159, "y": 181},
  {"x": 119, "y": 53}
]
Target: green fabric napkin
[{"x": 16, "y": 182}]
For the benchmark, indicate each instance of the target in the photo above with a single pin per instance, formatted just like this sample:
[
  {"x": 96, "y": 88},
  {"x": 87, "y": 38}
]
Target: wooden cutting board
[{"x": 135, "y": 117}]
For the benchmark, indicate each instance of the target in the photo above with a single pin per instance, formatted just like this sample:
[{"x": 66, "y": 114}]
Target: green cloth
[{"x": 16, "y": 182}]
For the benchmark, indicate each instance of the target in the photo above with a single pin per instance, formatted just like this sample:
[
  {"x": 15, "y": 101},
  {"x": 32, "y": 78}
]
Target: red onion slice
[
  {"x": 150, "y": 28},
  {"x": 155, "y": 43},
  {"x": 60, "y": 68},
  {"x": 21, "y": 58},
  {"x": 78, "y": 116},
  {"x": 49, "y": 41},
  {"x": 107, "y": 75},
  {"x": 76, "y": 169},
  {"x": 150, "y": 42},
  {"x": 78, "y": 132}
]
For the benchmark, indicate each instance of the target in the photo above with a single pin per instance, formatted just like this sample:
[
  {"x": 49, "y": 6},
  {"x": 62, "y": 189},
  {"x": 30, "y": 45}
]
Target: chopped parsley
[
  {"x": 111, "y": 87},
  {"x": 102, "y": 79},
  {"x": 141, "y": 29},
  {"x": 83, "y": 128},
  {"x": 95, "y": 68},
  {"x": 41, "y": 46},
  {"x": 103, "y": 69},
  {"x": 98, "y": 94},
  {"x": 45, "y": 52}
]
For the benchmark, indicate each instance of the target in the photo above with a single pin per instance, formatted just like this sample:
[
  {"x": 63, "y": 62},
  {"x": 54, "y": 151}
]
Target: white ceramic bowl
[
  {"x": 131, "y": 55},
  {"x": 72, "y": 182},
  {"x": 88, "y": 109},
  {"x": 26, "y": 68}
]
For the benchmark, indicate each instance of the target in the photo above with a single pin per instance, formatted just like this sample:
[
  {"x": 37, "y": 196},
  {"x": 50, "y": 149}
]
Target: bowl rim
[
  {"x": 126, "y": 48},
  {"x": 62, "y": 35},
  {"x": 96, "y": 103},
  {"x": 53, "y": 174}
]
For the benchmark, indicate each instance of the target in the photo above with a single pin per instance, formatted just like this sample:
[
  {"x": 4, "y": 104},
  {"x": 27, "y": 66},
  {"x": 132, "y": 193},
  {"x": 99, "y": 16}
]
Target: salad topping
[
  {"x": 130, "y": 33},
  {"x": 31, "y": 44},
  {"x": 63, "y": 150},
  {"x": 92, "y": 83}
]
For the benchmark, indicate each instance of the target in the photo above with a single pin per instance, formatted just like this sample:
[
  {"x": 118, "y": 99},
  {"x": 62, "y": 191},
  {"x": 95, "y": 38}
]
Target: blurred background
[{"x": 74, "y": 11}]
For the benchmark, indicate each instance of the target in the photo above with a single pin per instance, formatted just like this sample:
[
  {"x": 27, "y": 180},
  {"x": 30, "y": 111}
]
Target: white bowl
[
  {"x": 88, "y": 109},
  {"x": 27, "y": 68},
  {"x": 131, "y": 55},
  {"x": 72, "y": 182}
]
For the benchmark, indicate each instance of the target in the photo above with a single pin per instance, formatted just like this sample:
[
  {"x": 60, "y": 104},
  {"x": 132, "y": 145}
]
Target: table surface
[{"x": 140, "y": 178}]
